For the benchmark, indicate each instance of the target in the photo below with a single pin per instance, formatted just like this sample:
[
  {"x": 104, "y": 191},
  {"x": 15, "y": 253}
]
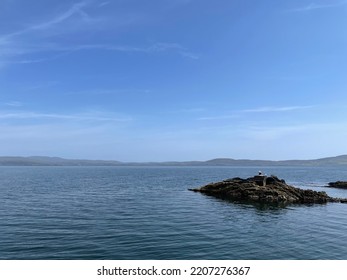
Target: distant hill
[
  {"x": 53, "y": 161},
  {"x": 56, "y": 161},
  {"x": 338, "y": 160}
]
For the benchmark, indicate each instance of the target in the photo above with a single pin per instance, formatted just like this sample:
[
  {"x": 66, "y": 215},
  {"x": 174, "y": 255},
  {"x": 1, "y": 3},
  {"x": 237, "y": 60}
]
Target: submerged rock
[{"x": 265, "y": 190}]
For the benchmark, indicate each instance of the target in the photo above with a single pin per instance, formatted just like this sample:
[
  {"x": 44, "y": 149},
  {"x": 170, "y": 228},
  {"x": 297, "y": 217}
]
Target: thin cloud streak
[
  {"x": 66, "y": 50},
  {"x": 276, "y": 109},
  {"x": 15, "y": 46},
  {"x": 76, "y": 117},
  {"x": 13, "y": 104},
  {"x": 314, "y": 6},
  {"x": 236, "y": 114},
  {"x": 75, "y": 9},
  {"x": 155, "y": 48},
  {"x": 12, "y": 46},
  {"x": 225, "y": 117},
  {"x": 104, "y": 3}
]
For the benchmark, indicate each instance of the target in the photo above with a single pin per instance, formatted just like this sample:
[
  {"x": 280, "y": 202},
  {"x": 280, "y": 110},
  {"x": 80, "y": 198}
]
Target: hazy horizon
[
  {"x": 190, "y": 160},
  {"x": 178, "y": 80}
]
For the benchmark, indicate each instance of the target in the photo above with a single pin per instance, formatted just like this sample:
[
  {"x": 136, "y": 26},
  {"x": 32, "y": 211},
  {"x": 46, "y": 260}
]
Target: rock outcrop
[
  {"x": 338, "y": 184},
  {"x": 263, "y": 189}
]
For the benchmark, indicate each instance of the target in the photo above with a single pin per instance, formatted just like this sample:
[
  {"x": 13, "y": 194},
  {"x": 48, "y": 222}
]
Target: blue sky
[{"x": 161, "y": 80}]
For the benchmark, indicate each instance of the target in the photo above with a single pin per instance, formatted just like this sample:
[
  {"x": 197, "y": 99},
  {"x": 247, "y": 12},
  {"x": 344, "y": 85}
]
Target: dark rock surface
[
  {"x": 264, "y": 190},
  {"x": 338, "y": 184}
]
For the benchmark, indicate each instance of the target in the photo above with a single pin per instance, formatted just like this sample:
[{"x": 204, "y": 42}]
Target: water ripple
[{"x": 147, "y": 213}]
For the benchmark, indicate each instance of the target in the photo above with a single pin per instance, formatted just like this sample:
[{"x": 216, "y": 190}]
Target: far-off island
[{"x": 264, "y": 189}]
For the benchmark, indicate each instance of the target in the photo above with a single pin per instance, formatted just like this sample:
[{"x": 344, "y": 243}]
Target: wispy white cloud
[
  {"x": 272, "y": 132},
  {"x": 238, "y": 113},
  {"x": 191, "y": 110},
  {"x": 315, "y": 6},
  {"x": 276, "y": 109},
  {"x": 15, "y": 47},
  {"x": 29, "y": 39},
  {"x": 31, "y": 61},
  {"x": 75, "y": 9},
  {"x": 95, "y": 116},
  {"x": 13, "y": 104},
  {"x": 102, "y": 91},
  {"x": 102, "y": 4},
  {"x": 40, "y": 85},
  {"x": 163, "y": 47},
  {"x": 14, "y": 55},
  {"x": 154, "y": 48},
  {"x": 219, "y": 117}
]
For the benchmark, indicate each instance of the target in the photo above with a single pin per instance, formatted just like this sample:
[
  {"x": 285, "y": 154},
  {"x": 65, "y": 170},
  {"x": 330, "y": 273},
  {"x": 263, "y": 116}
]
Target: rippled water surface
[{"x": 148, "y": 213}]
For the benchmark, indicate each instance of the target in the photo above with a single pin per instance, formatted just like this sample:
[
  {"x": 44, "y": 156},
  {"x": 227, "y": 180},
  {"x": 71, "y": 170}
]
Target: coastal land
[{"x": 57, "y": 161}]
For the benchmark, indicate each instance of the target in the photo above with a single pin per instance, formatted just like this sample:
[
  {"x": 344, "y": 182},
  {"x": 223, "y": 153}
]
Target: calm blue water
[{"x": 148, "y": 213}]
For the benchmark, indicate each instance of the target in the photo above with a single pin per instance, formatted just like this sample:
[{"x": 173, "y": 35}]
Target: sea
[{"x": 148, "y": 213}]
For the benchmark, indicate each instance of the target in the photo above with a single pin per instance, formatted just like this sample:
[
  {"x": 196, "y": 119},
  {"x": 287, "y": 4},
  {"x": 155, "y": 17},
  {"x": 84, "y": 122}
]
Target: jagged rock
[
  {"x": 263, "y": 189},
  {"x": 338, "y": 184}
]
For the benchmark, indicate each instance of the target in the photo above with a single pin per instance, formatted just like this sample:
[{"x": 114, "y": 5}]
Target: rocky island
[
  {"x": 263, "y": 189},
  {"x": 338, "y": 185}
]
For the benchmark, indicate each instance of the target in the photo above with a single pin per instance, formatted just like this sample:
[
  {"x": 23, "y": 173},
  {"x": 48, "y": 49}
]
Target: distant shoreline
[{"x": 56, "y": 161}]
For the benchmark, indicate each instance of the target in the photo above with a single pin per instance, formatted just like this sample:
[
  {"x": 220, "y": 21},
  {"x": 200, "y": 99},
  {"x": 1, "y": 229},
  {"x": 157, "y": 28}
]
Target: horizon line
[{"x": 167, "y": 161}]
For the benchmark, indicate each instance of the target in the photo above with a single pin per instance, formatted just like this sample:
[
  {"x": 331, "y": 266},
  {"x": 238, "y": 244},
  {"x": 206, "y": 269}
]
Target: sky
[{"x": 173, "y": 80}]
